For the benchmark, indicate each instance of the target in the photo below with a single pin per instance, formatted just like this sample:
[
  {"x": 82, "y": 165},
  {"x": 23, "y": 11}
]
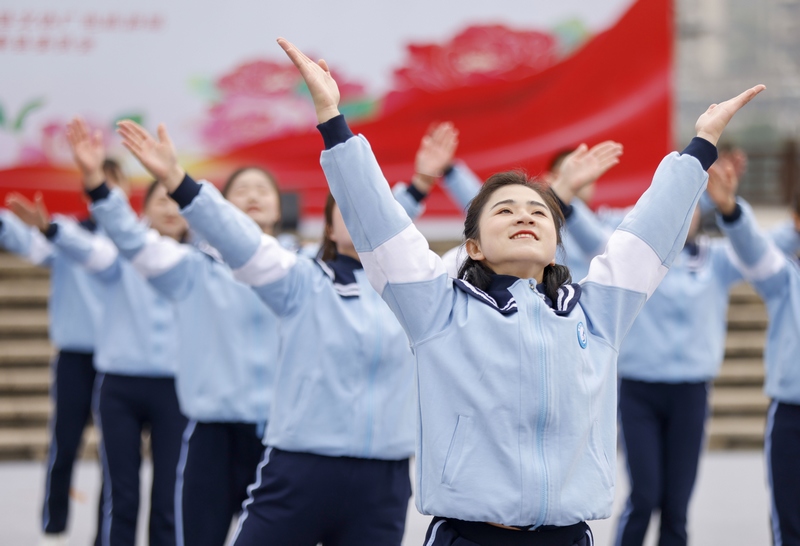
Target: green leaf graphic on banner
[
  {"x": 2, "y": 116},
  {"x": 137, "y": 117},
  {"x": 26, "y": 110}
]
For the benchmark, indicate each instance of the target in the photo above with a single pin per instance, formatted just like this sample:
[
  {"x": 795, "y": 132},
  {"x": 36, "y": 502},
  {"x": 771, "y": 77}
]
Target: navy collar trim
[
  {"x": 697, "y": 251},
  {"x": 341, "y": 271},
  {"x": 500, "y": 298}
]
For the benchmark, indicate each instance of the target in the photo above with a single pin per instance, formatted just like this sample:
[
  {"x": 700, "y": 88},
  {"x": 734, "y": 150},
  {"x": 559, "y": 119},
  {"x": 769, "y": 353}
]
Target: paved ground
[{"x": 729, "y": 506}]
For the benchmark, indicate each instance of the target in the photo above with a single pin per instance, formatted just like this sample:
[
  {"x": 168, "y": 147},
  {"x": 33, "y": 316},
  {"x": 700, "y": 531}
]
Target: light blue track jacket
[
  {"x": 516, "y": 407},
  {"x": 776, "y": 278},
  {"x": 344, "y": 380},
  {"x": 136, "y": 329},
  {"x": 74, "y": 306},
  {"x": 228, "y": 339}
]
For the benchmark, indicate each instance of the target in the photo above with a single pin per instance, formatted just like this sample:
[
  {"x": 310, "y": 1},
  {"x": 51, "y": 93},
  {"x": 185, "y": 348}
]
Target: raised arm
[
  {"x": 761, "y": 260},
  {"x": 641, "y": 250},
  {"x": 94, "y": 252},
  {"x": 161, "y": 260},
  {"x": 25, "y": 241},
  {"x": 395, "y": 255},
  {"x": 257, "y": 259}
]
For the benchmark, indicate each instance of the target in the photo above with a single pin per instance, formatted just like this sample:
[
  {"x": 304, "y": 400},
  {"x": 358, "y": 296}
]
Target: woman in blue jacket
[
  {"x": 228, "y": 346},
  {"x": 776, "y": 278},
  {"x": 341, "y": 426},
  {"x": 516, "y": 371},
  {"x": 135, "y": 357}
]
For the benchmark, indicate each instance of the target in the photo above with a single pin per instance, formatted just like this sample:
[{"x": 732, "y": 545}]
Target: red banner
[{"x": 515, "y": 101}]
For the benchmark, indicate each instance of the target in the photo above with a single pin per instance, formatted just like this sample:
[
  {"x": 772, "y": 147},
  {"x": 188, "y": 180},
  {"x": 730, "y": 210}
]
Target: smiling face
[
  {"x": 255, "y": 193},
  {"x": 517, "y": 233}
]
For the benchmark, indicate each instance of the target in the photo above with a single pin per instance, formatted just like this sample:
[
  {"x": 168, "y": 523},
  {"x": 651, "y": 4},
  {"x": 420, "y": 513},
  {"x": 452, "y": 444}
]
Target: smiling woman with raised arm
[{"x": 516, "y": 380}]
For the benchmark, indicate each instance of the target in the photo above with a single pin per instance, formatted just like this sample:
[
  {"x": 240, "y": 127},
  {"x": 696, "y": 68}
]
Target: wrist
[
  {"x": 712, "y": 138},
  {"x": 46, "y": 227},
  {"x": 93, "y": 179},
  {"x": 423, "y": 182},
  {"x": 173, "y": 178},
  {"x": 728, "y": 207},
  {"x": 327, "y": 113}
]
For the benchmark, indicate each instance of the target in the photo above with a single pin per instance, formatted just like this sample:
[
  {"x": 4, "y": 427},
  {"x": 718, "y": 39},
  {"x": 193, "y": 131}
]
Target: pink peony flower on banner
[
  {"x": 243, "y": 119},
  {"x": 478, "y": 54},
  {"x": 263, "y": 99}
]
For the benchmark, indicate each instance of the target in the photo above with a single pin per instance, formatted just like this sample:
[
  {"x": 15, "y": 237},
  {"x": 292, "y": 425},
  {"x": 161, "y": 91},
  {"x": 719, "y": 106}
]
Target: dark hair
[
  {"x": 558, "y": 159},
  {"x": 328, "y": 250},
  {"x": 272, "y": 180},
  {"x": 112, "y": 169},
  {"x": 151, "y": 189},
  {"x": 479, "y": 274}
]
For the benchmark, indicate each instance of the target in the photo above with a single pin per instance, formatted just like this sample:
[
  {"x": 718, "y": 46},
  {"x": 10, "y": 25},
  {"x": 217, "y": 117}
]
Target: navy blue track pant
[
  {"x": 662, "y": 433},
  {"x": 126, "y": 405},
  {"x": 782, "y": 450},
  {"x": 217, "y": 463},
  {"x": 453, "y": 532},
  {"x": 302, "y": 499},
  {"x": 73, "y": 383}
]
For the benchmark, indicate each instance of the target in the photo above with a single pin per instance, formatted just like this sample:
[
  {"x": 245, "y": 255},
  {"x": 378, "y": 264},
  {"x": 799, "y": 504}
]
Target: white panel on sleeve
[
  {"x": 102, "y": 254},
  {"x": 269, "y": 264},
  {"x": 770, "y": 263},
  {"x": 405, "y": 258},
  {"x": 627, "y": 263},
  {"x": 159, "y": 255},
  {"x": 41, "y": 249}
]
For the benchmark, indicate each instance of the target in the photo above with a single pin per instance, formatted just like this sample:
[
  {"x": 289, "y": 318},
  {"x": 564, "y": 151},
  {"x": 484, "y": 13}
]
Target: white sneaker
[{"x": 53, "y": 539}]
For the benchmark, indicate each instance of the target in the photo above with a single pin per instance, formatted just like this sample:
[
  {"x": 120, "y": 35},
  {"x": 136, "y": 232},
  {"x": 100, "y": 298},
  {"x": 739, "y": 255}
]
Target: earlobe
[{"x": 474, "y": 250}]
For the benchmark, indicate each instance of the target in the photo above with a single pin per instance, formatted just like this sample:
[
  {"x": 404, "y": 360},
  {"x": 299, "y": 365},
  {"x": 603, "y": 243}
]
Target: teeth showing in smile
[{"x": 523, "y": 236}]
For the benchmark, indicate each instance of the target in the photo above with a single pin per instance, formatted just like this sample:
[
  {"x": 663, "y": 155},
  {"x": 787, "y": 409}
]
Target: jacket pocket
[{"x": 456, "y": 449}]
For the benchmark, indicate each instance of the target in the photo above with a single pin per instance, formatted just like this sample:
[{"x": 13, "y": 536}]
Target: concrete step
[
  {"x": 741, "y": 372},
  {"x": 16, "y": 381},
  {"x": 32, "y": 443},
  {"x": 738, "y": 401},
  {"x": 29, "y": 409},
  {"x": 747, "y": 316},
  {"x": 13, "y": 267},
  {"x": 24, "y": 292},
  {"x": 744, "y": 293},
  {"x": 736, "y": 432},
  {"x": 745, "y": 344},
  {"x": 23, "y": 323},
  {"x": 25, "y": 352}
]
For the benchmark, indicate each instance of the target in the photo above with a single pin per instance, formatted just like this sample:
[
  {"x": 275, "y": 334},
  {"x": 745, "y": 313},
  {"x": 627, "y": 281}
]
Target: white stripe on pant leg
[
  {"x": 250, "y": 488},
  {"x": 776, "y": 527},
  {"x": 108, "y": 505},
  {"x": 51, "y": 460},
  {"x": 433, "y": 533},
  {"x": 187, "y": 436},
  {"x": 591, "y": 536}
]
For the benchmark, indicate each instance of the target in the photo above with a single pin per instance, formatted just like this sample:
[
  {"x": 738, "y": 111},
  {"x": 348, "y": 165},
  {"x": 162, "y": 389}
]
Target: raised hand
[
  {"x": 157, "y": 156},
  {"x": 434, "y": 155},
  {"x": 317, "y": 76},
  {"x": 714, "y": 120},
  {"x": 583, "y": 167},
  {"x": 88, "y": 151},
  {"x": 722, "y": 185},
  {"x": 32, "y": 213}
]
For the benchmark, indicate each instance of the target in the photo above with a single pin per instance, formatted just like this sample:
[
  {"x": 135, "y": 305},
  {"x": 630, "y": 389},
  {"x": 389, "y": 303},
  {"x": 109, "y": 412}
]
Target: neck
[
  {"x": 522, "y": 271},
  {"x": 350, "y": 252}
]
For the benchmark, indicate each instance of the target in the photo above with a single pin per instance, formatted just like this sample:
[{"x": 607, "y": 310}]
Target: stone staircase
[
  {"x": 737, "y": 402},
  {"x": 25, "y": 355}
]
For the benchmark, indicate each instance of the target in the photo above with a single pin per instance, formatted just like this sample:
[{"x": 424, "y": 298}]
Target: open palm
[
  {"x": 87, "y": 150},
  {"x": 159, "y": 157},
  {"x": 323, "y": 88},
  {"x": 714, "y": 120}
]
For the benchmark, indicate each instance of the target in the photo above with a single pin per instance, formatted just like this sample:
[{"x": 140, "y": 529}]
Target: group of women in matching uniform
[{"x": 494, "y": 369}]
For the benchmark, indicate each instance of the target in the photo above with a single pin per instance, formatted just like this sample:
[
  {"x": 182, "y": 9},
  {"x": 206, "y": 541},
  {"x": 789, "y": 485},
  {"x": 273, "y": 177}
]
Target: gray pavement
[{"x": 730, "y": 504}]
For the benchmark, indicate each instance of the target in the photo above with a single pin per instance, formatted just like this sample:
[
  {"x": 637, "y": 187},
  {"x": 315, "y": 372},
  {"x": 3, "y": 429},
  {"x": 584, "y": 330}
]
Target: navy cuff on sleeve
[
  {"x": 334, "y": 131},
  {"x": 100, "y": 192},
  {"x": 566, "y": 210},
  {"x": 733, "y": 216},
  {"x": 185, "y": 193},
  {"x": 416, "y": 194},
  {"x": 703, "y": 150},
  {"x": 51, "y": 231},
  {"x": 448, "y": 170}
]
